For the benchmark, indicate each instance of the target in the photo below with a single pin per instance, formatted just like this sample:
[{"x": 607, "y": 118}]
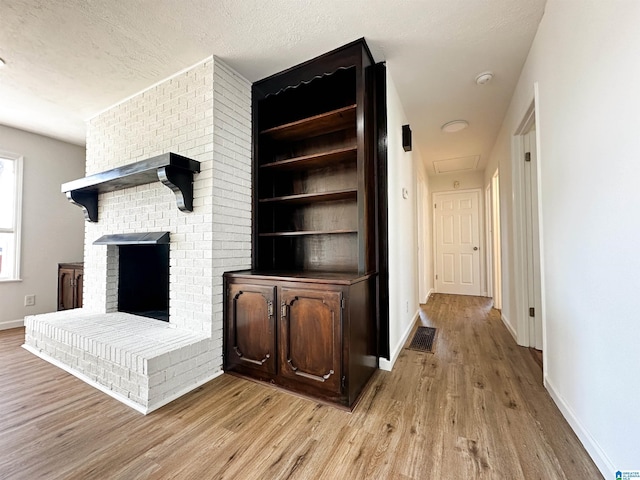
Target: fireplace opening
[{"x": 143, "y": 280}]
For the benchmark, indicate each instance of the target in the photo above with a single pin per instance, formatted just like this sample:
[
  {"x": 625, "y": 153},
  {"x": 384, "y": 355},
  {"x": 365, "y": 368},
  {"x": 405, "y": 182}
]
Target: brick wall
[
  {"x": 205, "y": 114},
  {"x": 231, "y": 183}
]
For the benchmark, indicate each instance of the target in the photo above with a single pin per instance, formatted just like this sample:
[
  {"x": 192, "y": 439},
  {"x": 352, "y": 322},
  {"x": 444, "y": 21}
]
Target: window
[{"x": 10, "y": 213}]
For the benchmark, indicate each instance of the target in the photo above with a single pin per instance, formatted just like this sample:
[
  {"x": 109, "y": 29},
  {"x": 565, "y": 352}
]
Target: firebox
[{"x": 143, "y": 273}]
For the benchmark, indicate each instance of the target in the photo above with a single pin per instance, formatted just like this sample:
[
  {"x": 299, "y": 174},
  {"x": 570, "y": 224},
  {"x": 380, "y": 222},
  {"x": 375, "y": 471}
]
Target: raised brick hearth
[
  {"x": 203, "y": 113},
  {"x": 140, "y": 359}
]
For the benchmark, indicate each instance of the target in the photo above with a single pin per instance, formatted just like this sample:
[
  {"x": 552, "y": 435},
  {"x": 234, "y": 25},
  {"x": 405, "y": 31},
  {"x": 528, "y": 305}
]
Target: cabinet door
[
  {"x": 251, "y": 327},
  {"x": 79, "y": 286},
  {"x": 65, "y": 288},
  {"x": 310, "y": 336}
]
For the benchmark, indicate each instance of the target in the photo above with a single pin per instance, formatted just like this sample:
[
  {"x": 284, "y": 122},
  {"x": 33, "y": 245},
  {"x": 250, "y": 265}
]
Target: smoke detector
[{"x": 484, "y": 78}]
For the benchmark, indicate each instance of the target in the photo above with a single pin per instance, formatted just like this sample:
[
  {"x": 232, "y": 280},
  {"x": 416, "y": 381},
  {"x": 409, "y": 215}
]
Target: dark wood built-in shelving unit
[
  {"x": 306, "y": 316},
  {"x": 174, "y": 171}
]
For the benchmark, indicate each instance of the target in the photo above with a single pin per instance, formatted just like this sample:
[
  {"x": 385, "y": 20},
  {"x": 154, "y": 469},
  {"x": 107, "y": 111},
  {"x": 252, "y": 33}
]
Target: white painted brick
[{"x": 204, "y": 113}]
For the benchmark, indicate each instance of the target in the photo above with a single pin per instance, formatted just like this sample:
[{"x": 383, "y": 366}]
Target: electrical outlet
[{"x": 29, "y": 300}]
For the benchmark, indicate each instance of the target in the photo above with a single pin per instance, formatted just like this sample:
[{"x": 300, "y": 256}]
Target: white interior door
[{"x": 457, "y": 244}]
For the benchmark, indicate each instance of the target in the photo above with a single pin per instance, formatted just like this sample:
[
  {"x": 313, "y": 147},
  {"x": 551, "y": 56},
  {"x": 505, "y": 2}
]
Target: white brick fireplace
[{"x": 203, "y": 113}]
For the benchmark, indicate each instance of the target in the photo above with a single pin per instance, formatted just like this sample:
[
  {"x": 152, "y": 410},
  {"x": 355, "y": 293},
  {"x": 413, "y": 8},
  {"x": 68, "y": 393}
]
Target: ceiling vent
[{"x": 461, "y": 164}]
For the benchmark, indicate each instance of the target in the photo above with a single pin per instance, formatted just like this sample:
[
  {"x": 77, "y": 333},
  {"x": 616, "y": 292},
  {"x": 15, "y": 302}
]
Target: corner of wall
[
  {"x": 507, "y": 324},
  {"x": 395, "y": 351}
]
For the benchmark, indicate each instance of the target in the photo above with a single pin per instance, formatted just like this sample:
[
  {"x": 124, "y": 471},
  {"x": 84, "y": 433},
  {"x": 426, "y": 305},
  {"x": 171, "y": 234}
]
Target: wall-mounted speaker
[{"x": 406, "y": 138}]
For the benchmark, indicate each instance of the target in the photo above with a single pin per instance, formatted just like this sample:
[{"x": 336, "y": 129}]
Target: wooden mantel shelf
[{"x": 174, "y": 171}]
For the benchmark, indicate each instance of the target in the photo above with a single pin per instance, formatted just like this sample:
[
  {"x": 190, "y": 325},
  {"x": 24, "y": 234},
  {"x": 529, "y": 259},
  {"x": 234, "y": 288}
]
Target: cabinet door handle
[
  {"x": 270, "y": 309},
  {"x": 283, "y": 310}
]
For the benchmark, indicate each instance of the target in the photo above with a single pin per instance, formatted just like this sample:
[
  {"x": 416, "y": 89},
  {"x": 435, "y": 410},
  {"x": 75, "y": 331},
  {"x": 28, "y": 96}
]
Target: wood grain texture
[{"x": 475, "y": 408}]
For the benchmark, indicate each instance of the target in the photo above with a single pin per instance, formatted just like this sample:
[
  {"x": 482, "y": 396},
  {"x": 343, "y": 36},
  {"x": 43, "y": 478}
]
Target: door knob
[{"x": 475, "y": 248}]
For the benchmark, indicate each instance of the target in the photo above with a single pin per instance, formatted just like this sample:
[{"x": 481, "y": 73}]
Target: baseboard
[
  {"x": 594, "y": 450},
  {"x": 429, "y": 293},
  {"x": 507, "y": 324},
  {"x": 388, "y": 364},
  {"x": 111, "y": 393},
  {"x": 8, "y": 324}
]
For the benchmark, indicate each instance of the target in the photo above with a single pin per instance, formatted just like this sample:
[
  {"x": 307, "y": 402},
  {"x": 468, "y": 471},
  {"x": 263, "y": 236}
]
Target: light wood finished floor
[{"x": 475, "y": 409}]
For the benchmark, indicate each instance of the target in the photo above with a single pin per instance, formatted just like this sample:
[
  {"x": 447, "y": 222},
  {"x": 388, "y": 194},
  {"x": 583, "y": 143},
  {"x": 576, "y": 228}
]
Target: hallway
[
  {"x": 475, "y": 409},
  {"x": 493, "y": 417}
]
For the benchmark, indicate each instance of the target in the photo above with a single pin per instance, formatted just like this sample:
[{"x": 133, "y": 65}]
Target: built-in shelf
[
  {"x": 307, "y": 232},
  {"x": 315, "y": 160},
  {"x": 314, "y": 197},
  {"x": 327, "y": 122},
  {"x": 174, "y": 171}
]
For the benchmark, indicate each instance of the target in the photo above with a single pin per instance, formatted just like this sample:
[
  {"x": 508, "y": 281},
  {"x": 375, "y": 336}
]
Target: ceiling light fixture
[
  {"x": 454, "y": 126},
  {"x": 484, "y": 78}
]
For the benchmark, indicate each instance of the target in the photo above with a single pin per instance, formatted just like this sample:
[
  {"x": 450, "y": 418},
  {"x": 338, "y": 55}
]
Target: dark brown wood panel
[
  {"x": 66, "y": 296},
  {"x": 251, "y": 327},
  {"x": 311, "y": 337},
  {"x": 300, "y": 233},
  {"x": 334, "y": 215},
  {"x": 314, "y": 197},
  {"x": 316, "y": 160},
  {"x": 79, "y": 275},
  {"x": 327, "y": 122}
]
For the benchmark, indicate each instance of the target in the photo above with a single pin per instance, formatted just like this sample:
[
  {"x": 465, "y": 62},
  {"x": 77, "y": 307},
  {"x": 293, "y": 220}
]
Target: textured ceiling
[{"x": 66, "y": 60}]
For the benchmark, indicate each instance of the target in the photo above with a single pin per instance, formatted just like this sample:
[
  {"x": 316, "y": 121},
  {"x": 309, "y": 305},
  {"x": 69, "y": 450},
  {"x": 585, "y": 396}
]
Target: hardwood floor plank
[{"x": 474, "y": 408}]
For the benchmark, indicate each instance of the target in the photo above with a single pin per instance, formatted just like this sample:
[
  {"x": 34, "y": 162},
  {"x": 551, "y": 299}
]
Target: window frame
[{"x": 17, "y": 218}]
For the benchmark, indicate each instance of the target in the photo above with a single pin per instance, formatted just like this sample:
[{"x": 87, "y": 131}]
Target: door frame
[
  {"x": 488, "y": 231},
  {"x": 481, "y": 239},
  {"x": 521, "y": 278},
  {"x": 422, "y": 210},
  {"x": 493, "y": 240},
  {"x": 495, "y": 247}
]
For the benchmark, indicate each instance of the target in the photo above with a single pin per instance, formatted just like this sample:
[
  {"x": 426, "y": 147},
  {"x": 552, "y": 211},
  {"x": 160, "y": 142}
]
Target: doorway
[
  {"x": 496, "y": 242},
  {"x": 457, "y": 242},
  {"x": 422, "y": 199},
  {"x": 528, "y": 257}
]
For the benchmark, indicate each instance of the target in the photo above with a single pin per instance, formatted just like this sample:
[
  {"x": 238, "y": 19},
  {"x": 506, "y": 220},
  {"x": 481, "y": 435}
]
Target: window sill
[{"x": 10, "y": 280}]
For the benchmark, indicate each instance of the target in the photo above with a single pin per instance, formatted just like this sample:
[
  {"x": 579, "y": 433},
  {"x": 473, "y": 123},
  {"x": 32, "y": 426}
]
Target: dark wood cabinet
[
  {"x": 321, "y": 327},
  {"x": 306, "y": 317},
  {"x": 70, "y": 285}
]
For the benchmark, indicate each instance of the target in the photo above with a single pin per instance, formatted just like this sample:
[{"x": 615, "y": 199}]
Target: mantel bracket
[
  {"x": 88, "y": 201},
  {"x": 181, "y": 183}
]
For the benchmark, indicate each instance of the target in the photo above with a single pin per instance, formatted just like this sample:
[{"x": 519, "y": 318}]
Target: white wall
[
  {"x": 467, "y": 180},
  {"x": 586, "y": 64},
  {"x": 52, "y": 228},
  {"x": 403, "y": 251}
]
